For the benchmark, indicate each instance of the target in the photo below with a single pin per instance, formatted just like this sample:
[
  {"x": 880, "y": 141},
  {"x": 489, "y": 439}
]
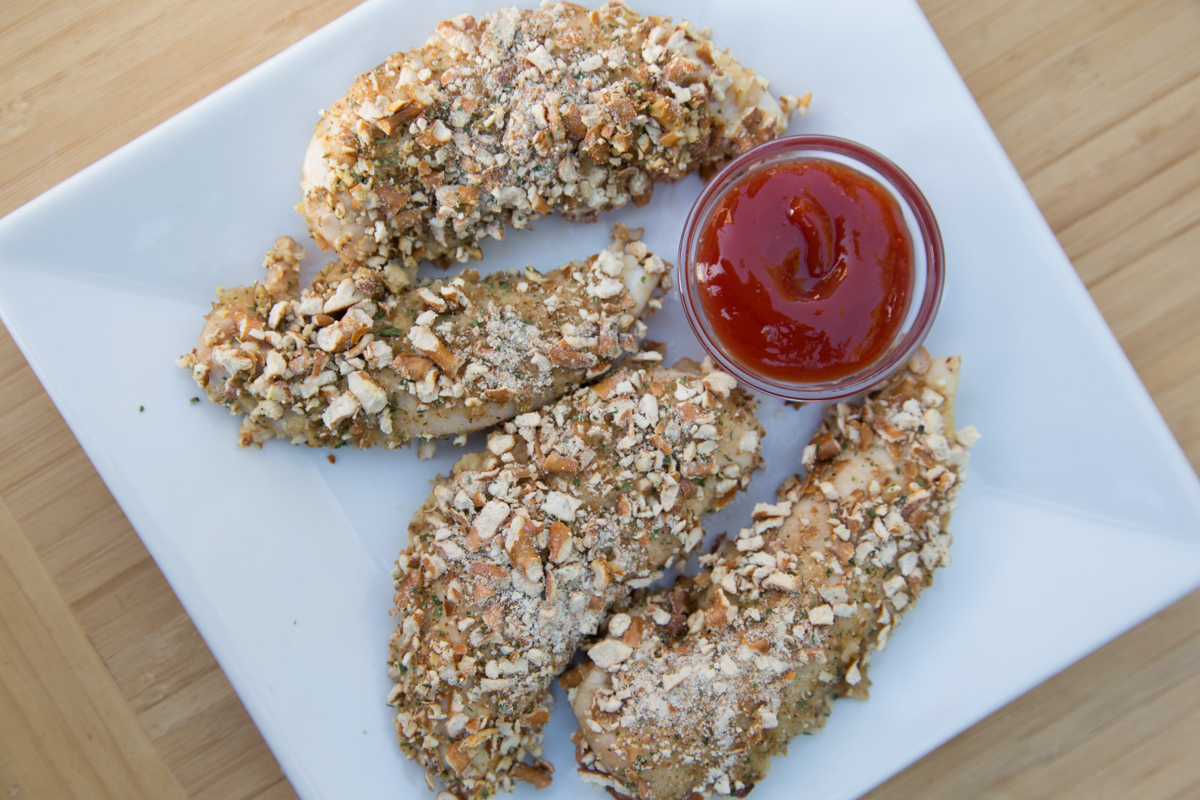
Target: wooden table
[{"x": 106, "y": 689}]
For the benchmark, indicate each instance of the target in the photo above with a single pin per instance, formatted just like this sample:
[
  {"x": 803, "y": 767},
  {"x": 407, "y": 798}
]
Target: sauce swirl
[{"x": 805, "y": 270}]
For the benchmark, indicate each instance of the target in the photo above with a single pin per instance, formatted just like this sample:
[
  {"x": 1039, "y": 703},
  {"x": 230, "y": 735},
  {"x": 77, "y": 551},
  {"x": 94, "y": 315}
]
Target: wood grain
[
  {"x": 71, "y": 731},
  {"x": 106, "y": 689}
]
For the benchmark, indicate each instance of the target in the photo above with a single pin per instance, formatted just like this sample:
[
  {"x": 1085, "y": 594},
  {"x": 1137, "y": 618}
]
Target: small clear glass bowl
[{"x": 928, "y": 266}]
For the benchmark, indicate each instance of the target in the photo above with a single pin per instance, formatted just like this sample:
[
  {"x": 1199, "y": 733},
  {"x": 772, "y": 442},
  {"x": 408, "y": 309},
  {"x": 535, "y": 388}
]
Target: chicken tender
[
  {"x": 495, "y": 122},
  {"x": 790, "y": 611},
  {"x": 516, "y": 557},
  {"x": 347, "y": 361}
]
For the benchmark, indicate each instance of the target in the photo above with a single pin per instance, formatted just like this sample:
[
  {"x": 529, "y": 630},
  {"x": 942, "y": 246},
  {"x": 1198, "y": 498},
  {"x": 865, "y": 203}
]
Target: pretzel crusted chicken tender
[
  {"x": 516, "y": 557},
  {"x": 350, "y": 361},
  {"x": 790, "y": 611},
  {"x": 498, "y": 121}
]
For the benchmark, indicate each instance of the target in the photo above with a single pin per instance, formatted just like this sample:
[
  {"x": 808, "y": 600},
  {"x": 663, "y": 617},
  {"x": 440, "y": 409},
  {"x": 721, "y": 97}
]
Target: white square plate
[{"x": 1081, "y": 516}]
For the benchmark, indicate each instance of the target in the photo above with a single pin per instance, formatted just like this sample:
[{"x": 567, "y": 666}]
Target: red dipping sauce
[{"x": 805, "y": 270}]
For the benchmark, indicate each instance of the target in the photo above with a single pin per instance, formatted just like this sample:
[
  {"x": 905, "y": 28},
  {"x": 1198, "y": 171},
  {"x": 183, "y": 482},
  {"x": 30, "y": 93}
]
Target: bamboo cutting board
[{"x": 106, "y": 689}]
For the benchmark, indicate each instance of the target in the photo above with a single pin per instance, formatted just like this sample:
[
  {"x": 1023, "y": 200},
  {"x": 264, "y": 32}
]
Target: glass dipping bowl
[{"x": 928, "y": 267}]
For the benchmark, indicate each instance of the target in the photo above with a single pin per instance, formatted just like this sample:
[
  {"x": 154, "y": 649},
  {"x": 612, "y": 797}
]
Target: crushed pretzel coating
[
  {"x": 788, "y": 613},
  {"x": 495, "y": 122},
  {"x": 349, "y": 361},
  {"x": 510, "y": 564}
]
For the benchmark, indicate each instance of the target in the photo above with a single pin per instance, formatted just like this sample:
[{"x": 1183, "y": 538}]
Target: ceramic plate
[{"x": 1079, "y": 519}]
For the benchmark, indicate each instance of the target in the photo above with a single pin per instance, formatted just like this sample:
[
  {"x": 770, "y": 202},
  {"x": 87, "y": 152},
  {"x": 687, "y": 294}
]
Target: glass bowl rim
[{"x": 776, "y": 151}]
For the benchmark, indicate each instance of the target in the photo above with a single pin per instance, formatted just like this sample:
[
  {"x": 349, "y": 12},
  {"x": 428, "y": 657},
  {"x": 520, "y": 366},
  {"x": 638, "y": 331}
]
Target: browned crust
[
  {"x": 497, "y": 121},
  {"x": 509, "y": 565},
  {"x": 788, "y": 613},
  {"x": 351, "y": 361}
]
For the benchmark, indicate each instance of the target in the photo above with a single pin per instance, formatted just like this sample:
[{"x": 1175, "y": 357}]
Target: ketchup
[{"x": 805, "y": 270}]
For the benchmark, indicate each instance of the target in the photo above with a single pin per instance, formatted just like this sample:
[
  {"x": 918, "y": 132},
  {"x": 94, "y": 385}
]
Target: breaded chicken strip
[
  {"x": 791, "y": 610},
  {"x": 348, "y": 361},
  {"x": 495, "y": 122},
  {"x": 516, "y": 557}
]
